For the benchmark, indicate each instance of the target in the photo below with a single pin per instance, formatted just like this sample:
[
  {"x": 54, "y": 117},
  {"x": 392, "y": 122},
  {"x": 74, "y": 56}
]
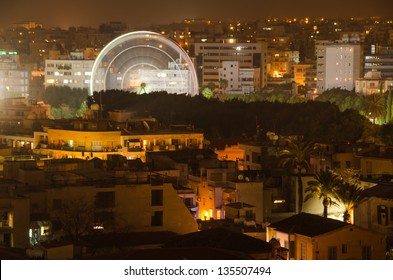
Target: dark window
[
  {"x": 366, "y": 252},
  {"x": 382, "y": 214},
  {"x": 157, "y": 197},
  {"x": 332, "y": 253},
  {"x": 344, "y": 248},
  {"x": 292, "y": 249},
  {"x": 105, "y": 200},
  {"x": 157, "y": 219}
]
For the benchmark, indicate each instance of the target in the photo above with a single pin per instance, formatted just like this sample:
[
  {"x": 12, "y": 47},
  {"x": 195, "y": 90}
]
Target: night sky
[{"x": 145, "y": 12}]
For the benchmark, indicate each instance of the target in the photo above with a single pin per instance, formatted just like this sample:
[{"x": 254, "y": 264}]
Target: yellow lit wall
[
  {"x": 317, "y": 248},
  {"x": 85, "y": 139}
]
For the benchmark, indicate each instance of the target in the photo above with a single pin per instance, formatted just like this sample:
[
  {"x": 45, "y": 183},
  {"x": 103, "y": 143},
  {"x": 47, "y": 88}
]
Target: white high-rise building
[
  {"x": 74, "y": 73},
  {"x": 240, "y": 80},
  {"x": 14, "y": 81},
  {"x": 338, "y": 65}
]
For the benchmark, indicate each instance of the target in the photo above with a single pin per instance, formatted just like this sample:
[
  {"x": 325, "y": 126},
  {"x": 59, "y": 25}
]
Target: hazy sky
[{"x": 141, "y": 13}]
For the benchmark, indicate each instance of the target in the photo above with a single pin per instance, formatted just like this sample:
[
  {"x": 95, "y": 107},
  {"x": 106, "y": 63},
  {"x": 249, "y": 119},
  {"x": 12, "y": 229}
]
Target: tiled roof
[
  {"x": 307, "y": 224},
  {"x": 381, "y": 190},
  {"x": 221, "y": 238}
]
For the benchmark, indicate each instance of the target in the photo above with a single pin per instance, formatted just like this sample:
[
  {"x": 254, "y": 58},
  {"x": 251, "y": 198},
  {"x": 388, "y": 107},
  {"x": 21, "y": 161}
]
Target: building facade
[
  {"x": 45, "y": 195},
  {"x": 240, "y": 80},
  {"x": 380, "y": 58},
  {"x": 312, "y": 237},
  {"x": 338, "y": 65},
  {"x": 14, "y": 81},
  {"x": 60, "y": 143},
  {"x": 373, "y": 83},
  {"x": 375, "y": 210},
  {"x": 74, "y": 73},
  {"x": 209, "y": 58}
]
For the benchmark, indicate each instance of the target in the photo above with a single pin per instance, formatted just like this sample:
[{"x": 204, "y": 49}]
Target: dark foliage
[
  {"x": 320, "y": 121},
  {"x": 57, "y": 96}
]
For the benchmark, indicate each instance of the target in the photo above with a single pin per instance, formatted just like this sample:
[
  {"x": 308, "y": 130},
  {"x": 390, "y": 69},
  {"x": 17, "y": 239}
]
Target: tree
[
  {"x": 224, "y": 84},
  {"x": 375, "y": 106},
  {"x": 212, "y": 86},
  {"x": 349, "y": 195},
  {"x": 59, "y": 96},
  {"x": 297, "y": 156},
  {"x": 389, "y": 107},
  {"x": 324, "y": 187},
  {"x": 143, "y": 87},
  {"x": 207, "y": 93},
  {"x": 76, "y": 218}
]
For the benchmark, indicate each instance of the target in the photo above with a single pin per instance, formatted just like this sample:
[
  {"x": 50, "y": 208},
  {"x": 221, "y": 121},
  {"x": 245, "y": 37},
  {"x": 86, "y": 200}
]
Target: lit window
[{"x": 44, "y": 230}]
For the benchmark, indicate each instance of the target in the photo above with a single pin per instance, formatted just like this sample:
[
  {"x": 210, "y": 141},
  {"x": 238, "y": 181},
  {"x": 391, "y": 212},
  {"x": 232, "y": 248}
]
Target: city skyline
[{"x": 136, "y": 14}]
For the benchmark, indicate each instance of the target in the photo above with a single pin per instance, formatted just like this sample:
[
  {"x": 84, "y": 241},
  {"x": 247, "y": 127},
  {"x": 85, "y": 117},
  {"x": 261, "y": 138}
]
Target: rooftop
[
  {"x": 220, "y": 238},
  {"x": 380, "y": 191},
  {"x": 307, "y": 224}
]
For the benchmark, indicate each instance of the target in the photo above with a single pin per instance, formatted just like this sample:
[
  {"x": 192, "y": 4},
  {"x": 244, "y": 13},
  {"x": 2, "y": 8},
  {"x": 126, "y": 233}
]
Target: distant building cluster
[
  {"x": 316, "y": 54},
  {"x": 127, "y": 186}
]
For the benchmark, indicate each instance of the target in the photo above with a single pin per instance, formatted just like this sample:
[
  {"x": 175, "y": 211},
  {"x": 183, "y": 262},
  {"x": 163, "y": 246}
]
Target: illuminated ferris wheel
[{"x": 144, "y": 62}]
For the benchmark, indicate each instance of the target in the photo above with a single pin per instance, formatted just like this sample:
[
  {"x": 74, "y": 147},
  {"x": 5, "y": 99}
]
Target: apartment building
[
  {"x": 88, "y": 143},
  {"x": 338, "y": 65},
  {"x": 380, "y": 58},
  {"x": 74, "y": 73},
  {"x": 281, "y": 63},
  {"x": 39, "y": 198},
  {"x": 209, "y": 58},
  {"x": 240, "y": 80},
  {"x": 14, "y": 81}
]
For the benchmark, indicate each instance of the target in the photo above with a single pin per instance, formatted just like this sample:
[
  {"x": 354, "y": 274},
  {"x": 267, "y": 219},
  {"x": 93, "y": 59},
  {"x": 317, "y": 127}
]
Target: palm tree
[
  {"x": 297, "y": 155},
  {"x": 324, "y": 186},
  {"x": 375, "y": 106},
  {"x": 349, "y": 195},
  {"x": 143, "y": 88}
]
